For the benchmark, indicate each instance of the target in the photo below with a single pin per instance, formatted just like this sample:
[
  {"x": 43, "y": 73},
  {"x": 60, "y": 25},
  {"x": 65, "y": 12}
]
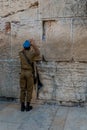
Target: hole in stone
[
  {"x": 7, "y": 27},
  {"x": 35, "y": 4}
]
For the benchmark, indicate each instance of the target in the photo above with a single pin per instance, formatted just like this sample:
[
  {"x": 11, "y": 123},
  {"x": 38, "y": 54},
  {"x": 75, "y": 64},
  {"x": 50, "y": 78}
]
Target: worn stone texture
[
  {"x": 63, "y": 81},
  {"x": 46, "y": 116},
  {"x": 57, "y": 46},
  {"x": 5, "y": 46},
  {"x": 9, "y": 79},
  {"x": 22, "y": 32},
  {"x": 10, "y": 7},
  {"x": 63, "y": 8},
  {"x": 79, "y": 46},
  {"x": 59, "y": 28}
]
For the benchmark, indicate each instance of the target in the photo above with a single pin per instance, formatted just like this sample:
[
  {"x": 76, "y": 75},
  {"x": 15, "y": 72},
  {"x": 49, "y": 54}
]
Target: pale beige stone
[
  {"x": 80, "y": 39},
  {"x": 63, "y": 8},
  {"x": 59, "y": 28},
  {"x": 57, "y": 46}
]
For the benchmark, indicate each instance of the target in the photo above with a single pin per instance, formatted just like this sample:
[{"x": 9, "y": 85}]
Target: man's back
[{"x": 30, "y": 55}]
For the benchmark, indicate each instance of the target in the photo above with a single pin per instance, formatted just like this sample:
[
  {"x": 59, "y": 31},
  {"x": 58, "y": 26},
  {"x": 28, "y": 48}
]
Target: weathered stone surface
[
  {"x": 64, "y": 81},
  {"x": 76, "y": 118},
  {"x": 79, "y": 46},
  {"x": 5, "y": 82},
  {"x": 5, "y": 46},
  {"x": 11, "y": 7},
  {"x": 63, "y": 8},
  {"x": 59, "y": 28},
  {"x": 60, "y": 119},
  {"x": 57, "y": 46},
  {"x": 9, "y": 79},
  {"x": 42, "y": 117},
  {"x": 22, "y": 32}
]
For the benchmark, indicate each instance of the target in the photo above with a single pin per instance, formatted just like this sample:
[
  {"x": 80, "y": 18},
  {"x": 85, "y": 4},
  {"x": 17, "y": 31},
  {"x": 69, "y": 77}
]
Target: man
[{"x": 27, "y": 56}]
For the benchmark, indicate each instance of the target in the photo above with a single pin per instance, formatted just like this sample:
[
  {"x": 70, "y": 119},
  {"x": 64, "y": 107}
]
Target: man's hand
[
  {"x": 34, "y": 47},
  {"x": 32, "y": 41}
]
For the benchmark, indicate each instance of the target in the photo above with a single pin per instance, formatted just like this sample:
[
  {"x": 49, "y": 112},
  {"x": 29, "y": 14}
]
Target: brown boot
[{"x": 28, "y": 107}]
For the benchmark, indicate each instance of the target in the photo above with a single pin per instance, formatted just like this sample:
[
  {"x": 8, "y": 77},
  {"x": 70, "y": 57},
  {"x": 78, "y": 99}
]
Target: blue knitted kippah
[{"x": 26, "y": 44}]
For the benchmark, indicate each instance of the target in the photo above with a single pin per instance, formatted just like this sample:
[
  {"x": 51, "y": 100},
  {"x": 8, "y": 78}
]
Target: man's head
[{"x": 26, "y": 44}]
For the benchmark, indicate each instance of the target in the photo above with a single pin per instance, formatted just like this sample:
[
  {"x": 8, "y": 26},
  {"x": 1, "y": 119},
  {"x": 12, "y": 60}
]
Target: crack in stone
[
  {"x": 35, "y": 4},
  {"x": 12, "y": 13}
]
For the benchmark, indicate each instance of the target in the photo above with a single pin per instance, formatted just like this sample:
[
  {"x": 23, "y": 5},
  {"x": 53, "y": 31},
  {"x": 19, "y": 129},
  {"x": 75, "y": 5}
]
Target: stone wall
[{"x": 59, "y": 28}]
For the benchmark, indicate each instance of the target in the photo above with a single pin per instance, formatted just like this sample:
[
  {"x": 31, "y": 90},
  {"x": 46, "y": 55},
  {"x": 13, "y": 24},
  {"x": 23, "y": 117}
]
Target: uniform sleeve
[
  {"x": 33, "y": 52},
  {"x": 34, "y": 56}
]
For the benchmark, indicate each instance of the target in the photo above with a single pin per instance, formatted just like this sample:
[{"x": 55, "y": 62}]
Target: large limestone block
[
  {"x": 22, "y": 31},
  {"x": 10, "y": 7},
  {"x": 55, "y": 8},
  {"x": 15, "y": 80},
  {"x": 63, "y": 8},
  {"x": 24, "y": 25},
  {"x": 78, "y": 7},
  {"x": 5, "y": 81},
  {"x": 5, "y": 46},
  {"x": 9, "y": 79},
  {"x": 80, "y": 39},
  {"x": 57, "y": 46},
  {"x": 64, "y": 81}
]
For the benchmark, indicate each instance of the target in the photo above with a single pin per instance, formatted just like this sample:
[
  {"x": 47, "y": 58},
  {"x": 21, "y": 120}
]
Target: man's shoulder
[
  {"x": 20, "y": 52},
  {"x": 31, "y": 52}
]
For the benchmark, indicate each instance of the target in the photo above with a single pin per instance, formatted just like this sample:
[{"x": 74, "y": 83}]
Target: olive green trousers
[{"x": 26, "y": 85}]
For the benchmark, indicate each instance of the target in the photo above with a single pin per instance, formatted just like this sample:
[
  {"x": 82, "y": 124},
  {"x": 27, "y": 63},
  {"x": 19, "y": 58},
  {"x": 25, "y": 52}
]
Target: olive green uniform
[{"x": 26, "y": 76}]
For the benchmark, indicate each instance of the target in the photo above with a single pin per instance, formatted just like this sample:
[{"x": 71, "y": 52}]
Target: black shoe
[
  {"x": 22, "y": 106},
  {"x": 28, "y": 107}
]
